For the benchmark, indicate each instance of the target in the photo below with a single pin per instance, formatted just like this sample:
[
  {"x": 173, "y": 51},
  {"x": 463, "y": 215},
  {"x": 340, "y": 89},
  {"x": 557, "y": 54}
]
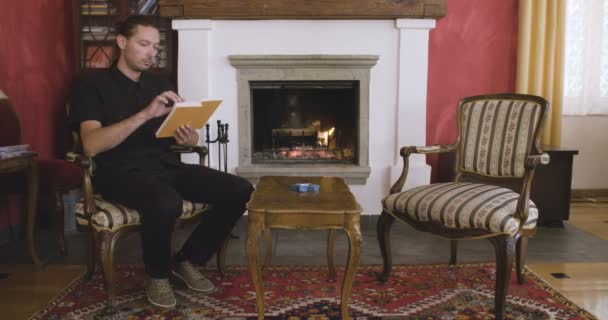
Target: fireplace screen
[{"x": 304, "y": 121}]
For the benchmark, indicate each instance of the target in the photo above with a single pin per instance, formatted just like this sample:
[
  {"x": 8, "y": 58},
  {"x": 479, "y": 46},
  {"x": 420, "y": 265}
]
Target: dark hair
[{"x": 127, "y": 27}]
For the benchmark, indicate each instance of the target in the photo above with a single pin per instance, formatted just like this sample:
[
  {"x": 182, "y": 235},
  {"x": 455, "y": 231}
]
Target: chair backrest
[
  {"x": 496, "y": 133},
  {"x": 10, "y": 128}
]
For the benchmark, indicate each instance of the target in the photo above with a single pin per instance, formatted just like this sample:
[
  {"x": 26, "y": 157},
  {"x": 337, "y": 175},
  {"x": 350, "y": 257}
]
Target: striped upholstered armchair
[
  {"x": 106, "y": 222},
  {"x": 496, "y": 150}
]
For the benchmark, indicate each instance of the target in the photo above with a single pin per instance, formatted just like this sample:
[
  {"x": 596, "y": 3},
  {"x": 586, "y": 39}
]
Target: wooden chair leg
[
  {"x": 106, "y": 254},
  {"x": 504, "y": 247},
  {"x": 453, "y": 251},
  {"x": 383, "y": 231},
  {"x": 91, "y": 254},
  {"x": 220, "y": 257},
  {"x": 59, "y": 222},
  {"x": 520, "y": 255}
]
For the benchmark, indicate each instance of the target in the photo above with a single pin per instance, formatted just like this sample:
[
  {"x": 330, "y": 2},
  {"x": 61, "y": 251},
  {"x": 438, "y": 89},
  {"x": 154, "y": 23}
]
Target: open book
[{"x": 194, "y": 113}]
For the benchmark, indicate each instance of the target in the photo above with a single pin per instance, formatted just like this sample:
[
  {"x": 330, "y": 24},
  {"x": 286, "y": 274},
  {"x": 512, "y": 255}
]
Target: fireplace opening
[{"x": 304, "y": 121}]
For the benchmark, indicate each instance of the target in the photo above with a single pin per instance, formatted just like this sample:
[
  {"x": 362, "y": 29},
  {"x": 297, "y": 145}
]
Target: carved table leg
[
  {"x": 331, "y": 239},
  {"x": 32, "y": 198},
  {"x": 268, "y": 249},
  {"x": 255, "y": 227},
  {"x": 354, "y": 249}
]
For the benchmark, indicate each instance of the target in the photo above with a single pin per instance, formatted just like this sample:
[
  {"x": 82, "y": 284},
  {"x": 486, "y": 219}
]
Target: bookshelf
[{"x": 96, "y": 21}]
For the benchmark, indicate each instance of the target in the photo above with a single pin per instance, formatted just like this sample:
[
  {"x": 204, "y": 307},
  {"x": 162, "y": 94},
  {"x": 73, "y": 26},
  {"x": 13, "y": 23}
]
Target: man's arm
[{"x": 97, "y": 139}]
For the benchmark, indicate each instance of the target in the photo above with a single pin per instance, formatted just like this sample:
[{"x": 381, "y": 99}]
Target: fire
[
  {"x": 323, "y": 136},
  {"x": 306, "y": 154}
]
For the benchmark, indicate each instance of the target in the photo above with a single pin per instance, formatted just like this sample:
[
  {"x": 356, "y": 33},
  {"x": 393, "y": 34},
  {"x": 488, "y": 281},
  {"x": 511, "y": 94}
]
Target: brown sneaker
[
  {"x": 192, "y": 277},
  {"x": 160, "y": 293}
]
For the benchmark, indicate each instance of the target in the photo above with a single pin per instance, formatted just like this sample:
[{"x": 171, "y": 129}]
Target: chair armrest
[
  {"x": 202, "y": 151},
  {"x": 436, "y": 148},
  {"x": 524, "y": 197},
  {"x": 86, "y": 165},
  {"x": 82, "y": 161},
  {"x": 405, "y": 154},
  {"x": 533, "y": 161}
]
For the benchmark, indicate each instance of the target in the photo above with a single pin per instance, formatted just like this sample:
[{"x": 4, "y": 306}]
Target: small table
[
  {"x": 26, "y": 163},
  {"x": 552, "y": 186},
  {"x": 274, "y": 205}
]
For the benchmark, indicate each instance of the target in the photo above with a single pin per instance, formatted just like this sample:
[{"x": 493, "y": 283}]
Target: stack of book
[
  {"x": 97, "y": 33},
  {"x": 13, "y": 151},
  {"x": 105, "y": 33},
  {"x": 96, "y": 8}
]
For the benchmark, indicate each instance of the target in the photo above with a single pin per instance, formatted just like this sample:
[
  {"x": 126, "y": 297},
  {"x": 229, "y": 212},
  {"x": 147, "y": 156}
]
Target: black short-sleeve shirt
[{"x": 109, "y": 97}]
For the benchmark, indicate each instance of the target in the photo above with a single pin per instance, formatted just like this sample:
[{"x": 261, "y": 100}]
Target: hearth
[{"x": 304, "y": 121}]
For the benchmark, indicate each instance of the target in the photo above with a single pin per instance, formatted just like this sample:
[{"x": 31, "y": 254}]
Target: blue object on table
[{"x": 305, "y": 187}]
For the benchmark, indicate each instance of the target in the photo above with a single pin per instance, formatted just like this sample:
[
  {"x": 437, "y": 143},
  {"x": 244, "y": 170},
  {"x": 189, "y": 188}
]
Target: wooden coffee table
[{"x": 274, "y": 205}]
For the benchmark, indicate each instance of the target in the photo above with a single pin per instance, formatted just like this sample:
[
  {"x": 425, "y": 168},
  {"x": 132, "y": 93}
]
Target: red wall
[
  {"x": 35, "y": 73},
  {"x": 472, "y": 51},
  {"x": 36, "y": 68}
]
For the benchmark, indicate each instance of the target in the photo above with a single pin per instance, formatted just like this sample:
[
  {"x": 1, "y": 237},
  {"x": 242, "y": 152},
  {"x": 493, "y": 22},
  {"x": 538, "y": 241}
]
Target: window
[{"x": 586, "y": 58}]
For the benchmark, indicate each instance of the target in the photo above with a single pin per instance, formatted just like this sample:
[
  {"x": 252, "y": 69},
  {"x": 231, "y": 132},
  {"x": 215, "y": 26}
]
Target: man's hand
[
  {"x": 160, "y": 105},
  {"x": 186, "y": 136}
]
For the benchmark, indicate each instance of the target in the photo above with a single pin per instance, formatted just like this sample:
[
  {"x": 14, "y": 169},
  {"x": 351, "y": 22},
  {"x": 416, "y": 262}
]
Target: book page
[{"x": 195, "y": 114}]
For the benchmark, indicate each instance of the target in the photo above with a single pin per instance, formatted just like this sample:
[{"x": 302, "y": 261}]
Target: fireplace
[
  {"x": 304, "y": 115},
  {"x": 304, "y": 122},
  {"x": 385, "y": 58}
]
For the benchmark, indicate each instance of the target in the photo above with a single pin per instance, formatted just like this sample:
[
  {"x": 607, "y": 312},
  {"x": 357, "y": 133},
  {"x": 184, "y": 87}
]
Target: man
[{"x": 118, "y": 112}]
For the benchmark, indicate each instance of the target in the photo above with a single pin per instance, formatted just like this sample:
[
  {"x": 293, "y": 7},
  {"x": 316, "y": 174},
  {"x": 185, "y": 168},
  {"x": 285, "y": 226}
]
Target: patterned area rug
[{"x": 428, "y": 292}]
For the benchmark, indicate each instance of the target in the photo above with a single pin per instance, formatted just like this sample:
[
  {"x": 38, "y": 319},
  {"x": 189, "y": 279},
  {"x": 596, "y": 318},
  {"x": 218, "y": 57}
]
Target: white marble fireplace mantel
[{"x": 397, "y": 86}]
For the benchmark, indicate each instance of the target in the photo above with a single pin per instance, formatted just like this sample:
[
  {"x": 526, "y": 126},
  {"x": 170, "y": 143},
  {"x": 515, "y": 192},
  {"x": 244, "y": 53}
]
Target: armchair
[
  {"x": 496, "y": 150},
  {"x": 106, "y": 222}
]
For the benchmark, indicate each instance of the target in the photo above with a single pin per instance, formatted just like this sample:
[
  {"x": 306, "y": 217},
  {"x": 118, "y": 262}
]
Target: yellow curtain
[{"x": 540, "y": 56}]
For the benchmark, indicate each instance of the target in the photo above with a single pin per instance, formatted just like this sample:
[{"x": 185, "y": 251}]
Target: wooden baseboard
[{"x": 588, "y": 193}]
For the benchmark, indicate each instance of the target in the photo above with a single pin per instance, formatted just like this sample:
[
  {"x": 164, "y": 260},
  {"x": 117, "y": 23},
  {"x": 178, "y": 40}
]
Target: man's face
[{"x": 139, "y": 51}]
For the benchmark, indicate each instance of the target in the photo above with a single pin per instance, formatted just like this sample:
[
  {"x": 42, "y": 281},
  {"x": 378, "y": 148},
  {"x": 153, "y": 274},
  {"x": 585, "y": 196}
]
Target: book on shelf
[
  {"x": 88, "y": 11},
  {"x": 147, "y": 6},
  {"x": 193, "y": 113},
  {"x": 97, "y": 33},
  {"x": 98, "y": 36},
  {"x": 98, "y": 29},
  {"x": 106, "y": 33},
  {"x": 96, "y": 7}
]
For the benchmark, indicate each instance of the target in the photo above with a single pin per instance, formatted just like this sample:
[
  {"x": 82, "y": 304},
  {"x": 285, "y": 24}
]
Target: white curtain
[{"x": 586, "y": 60}]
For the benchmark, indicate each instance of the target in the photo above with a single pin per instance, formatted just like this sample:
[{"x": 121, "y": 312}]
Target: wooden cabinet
[
  {"x": 551, "y": 186},
  {"x": 95, "y": 32}
]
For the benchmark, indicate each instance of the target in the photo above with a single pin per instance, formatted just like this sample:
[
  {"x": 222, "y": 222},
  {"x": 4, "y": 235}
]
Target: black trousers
[{"x": 158, "y": 194}]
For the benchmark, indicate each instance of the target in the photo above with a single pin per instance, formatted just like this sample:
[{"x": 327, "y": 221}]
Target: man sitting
[{"x": 117, "y": 112}]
